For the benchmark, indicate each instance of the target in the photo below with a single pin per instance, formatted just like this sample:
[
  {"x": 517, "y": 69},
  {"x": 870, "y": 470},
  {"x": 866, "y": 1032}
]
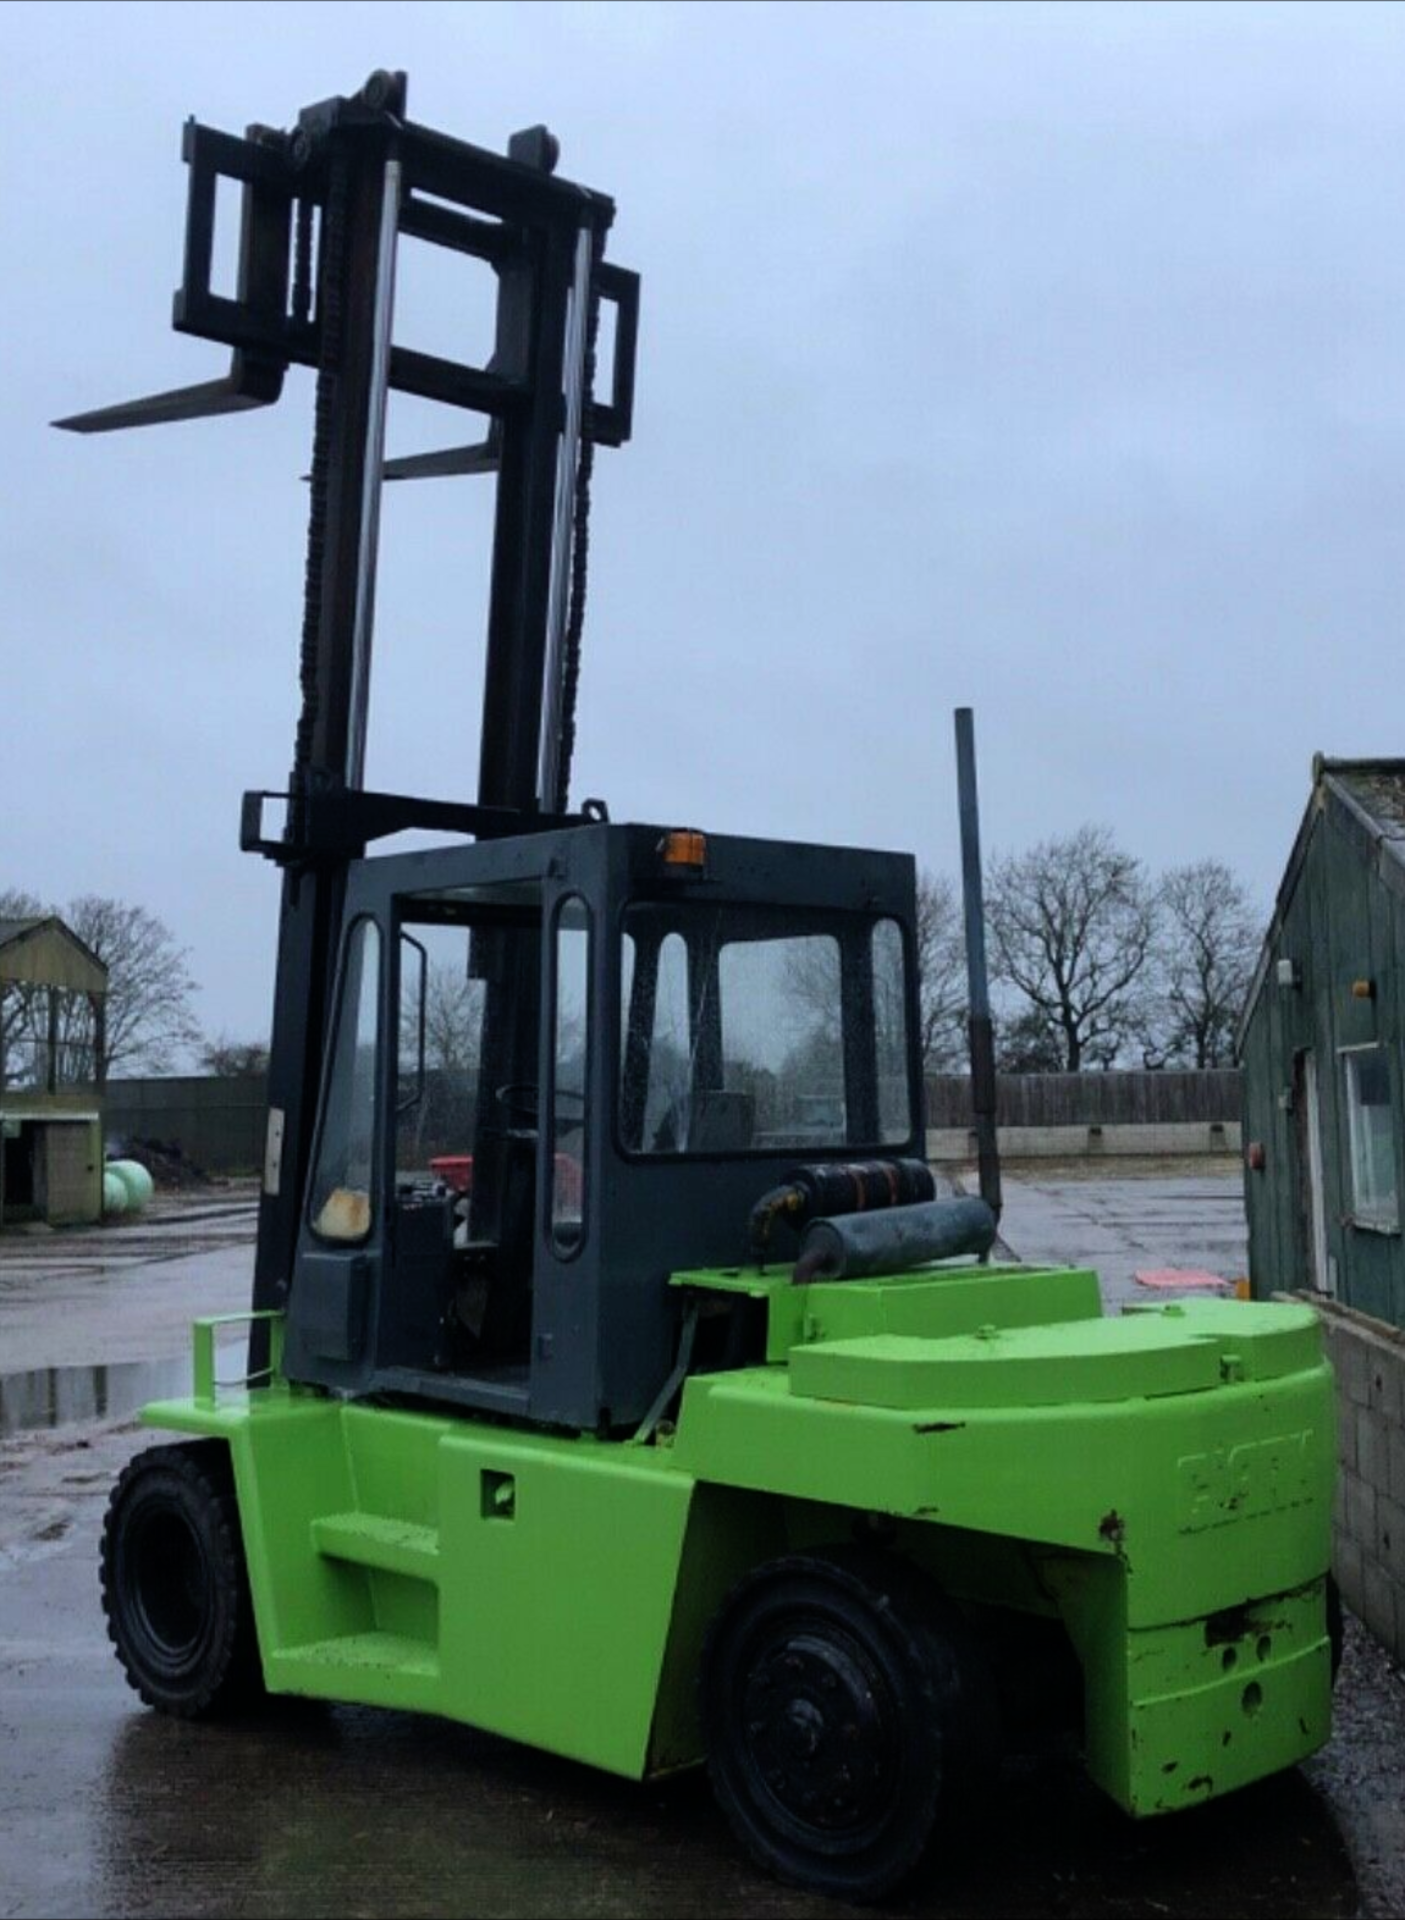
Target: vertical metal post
[
  {"x": 577, "y": 329},
  {"x": 533, "y": 310},
  {"x": 362, "y": 268},
  {"x": 51, "y": 1065},
  {"x": 365, "y": 615},
  {"x": 357, "y": 281},
  {"x": 981, "y": 1033},
  {"x": 98, "y": 1002},
  {"x": 531, "y": 348}
]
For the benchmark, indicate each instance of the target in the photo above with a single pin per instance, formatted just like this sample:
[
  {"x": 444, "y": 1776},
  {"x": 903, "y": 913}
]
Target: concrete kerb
[{"x": 957, "y": 1145}]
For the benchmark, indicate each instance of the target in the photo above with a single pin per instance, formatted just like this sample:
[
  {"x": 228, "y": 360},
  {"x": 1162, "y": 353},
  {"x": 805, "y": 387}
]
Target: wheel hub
[{"x": 819, "y": 1729}]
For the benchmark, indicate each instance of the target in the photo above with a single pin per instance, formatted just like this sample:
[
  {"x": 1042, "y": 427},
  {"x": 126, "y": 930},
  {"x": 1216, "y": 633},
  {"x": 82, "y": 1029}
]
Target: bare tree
[
  {"x": 1030, "y": 1043},
  {"x": 453, "y": 1014},
  {"x": 149, "y": 1017},
  {"x": 437, "y": 1112},
  {"x": 20, "y": 1023},
  {"x": 1072, "y": 923},
  {"x": 234, "y": 1059},
  {"x": 812, "y": 983},
  {"x": 941, "y": 962},
  {"x": 1206, "y": 947}
]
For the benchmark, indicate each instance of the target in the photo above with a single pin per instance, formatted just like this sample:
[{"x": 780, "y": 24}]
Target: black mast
[{"x": 362, "y": 175}]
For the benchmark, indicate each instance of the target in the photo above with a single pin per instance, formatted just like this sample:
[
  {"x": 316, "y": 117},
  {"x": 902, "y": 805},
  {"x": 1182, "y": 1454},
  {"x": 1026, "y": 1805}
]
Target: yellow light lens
[{"x": 685, "y": 849}]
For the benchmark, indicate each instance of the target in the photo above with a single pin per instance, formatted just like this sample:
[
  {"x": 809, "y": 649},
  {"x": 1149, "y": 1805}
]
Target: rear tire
[
  {"x": 174, "y": 1586},
  {"x": 842, "y": 1702}
]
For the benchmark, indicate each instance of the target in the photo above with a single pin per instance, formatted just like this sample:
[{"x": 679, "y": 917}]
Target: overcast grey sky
[{"x": 1049, "y": 360}]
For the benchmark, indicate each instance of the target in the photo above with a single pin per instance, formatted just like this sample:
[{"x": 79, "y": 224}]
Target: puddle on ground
[{"x": 61, "y": 1396}]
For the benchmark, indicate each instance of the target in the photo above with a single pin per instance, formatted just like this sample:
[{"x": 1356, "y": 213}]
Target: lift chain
[
  {"x": 580, "y": 540},
  {"x": 302, "y": 264},
  {"x": 329, "y": 301}
]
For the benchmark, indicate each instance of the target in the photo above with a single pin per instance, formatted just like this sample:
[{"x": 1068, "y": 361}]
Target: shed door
[{"x": 1307, "y": 1108}]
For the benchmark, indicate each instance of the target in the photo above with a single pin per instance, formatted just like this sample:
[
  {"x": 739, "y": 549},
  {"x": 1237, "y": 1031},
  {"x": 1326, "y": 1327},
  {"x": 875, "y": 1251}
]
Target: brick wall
[{"x": 1369, "y": 1550}]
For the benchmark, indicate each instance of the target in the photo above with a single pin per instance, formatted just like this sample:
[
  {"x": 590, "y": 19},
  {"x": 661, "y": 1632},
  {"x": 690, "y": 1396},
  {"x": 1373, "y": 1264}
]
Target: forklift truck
[{"x": 687, "y": 1426}]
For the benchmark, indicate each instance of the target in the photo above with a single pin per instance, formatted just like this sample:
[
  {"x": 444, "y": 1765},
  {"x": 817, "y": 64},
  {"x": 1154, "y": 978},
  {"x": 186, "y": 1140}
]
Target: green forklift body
[
  {"x": 482, "y": 1466},
  {"x": 1159, "y": 1483}
]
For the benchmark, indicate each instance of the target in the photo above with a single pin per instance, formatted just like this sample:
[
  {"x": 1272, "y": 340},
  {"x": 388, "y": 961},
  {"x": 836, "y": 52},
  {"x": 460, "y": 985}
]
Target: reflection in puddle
[
  {"x": 59, "y": 1396},
  {"x": 298, "y": 1810}
]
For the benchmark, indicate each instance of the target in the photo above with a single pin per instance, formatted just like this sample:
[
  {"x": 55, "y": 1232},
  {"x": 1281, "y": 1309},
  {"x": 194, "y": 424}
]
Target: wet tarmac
[
  {"x": 1121, "y": 1224},
  {"x": 126, "y": 1291},
  {"x": 106, "y": 1808}
]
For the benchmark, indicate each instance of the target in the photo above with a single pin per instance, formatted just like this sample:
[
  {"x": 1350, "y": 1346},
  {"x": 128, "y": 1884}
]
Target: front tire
[
  {"x": 174, "y": 1586},
  {"x": 842, "y": 1701}
]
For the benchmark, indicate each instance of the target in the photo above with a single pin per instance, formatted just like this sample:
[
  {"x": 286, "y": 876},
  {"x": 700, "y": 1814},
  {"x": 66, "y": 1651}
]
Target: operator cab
[{"x": 566, "y": 1064}]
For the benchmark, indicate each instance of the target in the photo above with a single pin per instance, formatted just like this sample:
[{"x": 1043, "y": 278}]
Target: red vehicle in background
[{"x": 456, "y": 1171}]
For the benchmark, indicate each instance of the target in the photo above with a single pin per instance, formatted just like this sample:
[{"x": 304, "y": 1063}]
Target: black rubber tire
[
  {"x": 843, "y": 1704},
  {"x": 174, "y": 1586}
]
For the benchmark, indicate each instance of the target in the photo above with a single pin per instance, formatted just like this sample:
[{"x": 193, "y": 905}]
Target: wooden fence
[
  {"x": 219, "y": 1123},
  {"x": 1091, "y": 1099}
]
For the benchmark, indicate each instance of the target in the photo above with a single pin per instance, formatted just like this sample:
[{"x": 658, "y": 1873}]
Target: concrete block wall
[{"x": 1369, "y": 1551}]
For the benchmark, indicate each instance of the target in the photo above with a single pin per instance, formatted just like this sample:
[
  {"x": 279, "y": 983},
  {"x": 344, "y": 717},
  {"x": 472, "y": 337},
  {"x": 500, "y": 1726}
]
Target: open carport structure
[{"x": 53, "y": 996}]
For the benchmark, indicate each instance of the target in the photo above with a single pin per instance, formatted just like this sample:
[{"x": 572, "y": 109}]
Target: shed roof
[
  {"x": 1366, "y": 799},
  {"x": 44, "y": 952}
]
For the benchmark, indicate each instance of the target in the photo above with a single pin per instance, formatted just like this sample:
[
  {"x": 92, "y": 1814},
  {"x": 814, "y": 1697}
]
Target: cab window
[
  {"x": 749, "y": 1029},
  {"x": 342, "y": 1181}
]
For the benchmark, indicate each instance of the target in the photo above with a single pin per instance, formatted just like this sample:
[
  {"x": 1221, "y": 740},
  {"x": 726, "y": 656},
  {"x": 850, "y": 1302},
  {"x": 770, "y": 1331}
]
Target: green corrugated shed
[{"x": 1322, "y": 1046}]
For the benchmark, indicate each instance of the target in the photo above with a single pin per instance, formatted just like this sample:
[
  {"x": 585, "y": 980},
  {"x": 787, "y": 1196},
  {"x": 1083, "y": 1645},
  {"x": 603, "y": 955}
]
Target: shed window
[{"x": 1374, "y": 1192}]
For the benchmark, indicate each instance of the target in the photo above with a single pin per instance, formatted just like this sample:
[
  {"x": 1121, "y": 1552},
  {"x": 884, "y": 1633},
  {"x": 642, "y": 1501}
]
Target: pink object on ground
[{"x": 1180, "y": 1277}]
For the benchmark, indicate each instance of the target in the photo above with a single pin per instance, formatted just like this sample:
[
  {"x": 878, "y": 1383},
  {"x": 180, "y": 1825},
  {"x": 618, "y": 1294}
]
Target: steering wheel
[{"x": 522, "y": 1101}]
